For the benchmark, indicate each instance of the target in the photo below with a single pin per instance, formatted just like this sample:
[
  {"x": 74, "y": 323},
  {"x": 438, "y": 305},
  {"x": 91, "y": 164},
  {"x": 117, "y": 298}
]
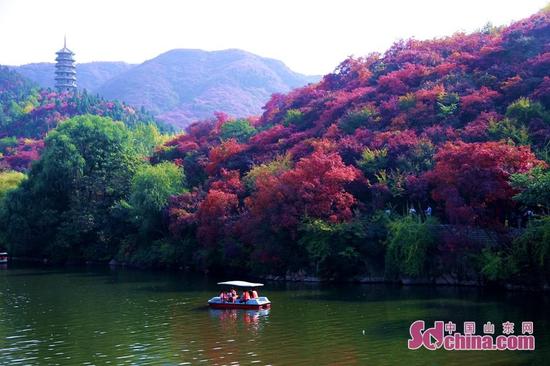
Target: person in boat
[
  {"x": 228, "y": 296},
  {"x": 223, "y": 296},
  {"x": 254, "y": 294},
  {"x": 245, "y": 296}
]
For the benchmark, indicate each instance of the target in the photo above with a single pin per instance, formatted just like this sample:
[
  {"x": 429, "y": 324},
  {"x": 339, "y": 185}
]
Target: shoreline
[{"x": 301, "y": 277}]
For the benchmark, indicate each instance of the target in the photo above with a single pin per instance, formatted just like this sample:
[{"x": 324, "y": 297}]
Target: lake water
[{"x": 97, "y": 316}]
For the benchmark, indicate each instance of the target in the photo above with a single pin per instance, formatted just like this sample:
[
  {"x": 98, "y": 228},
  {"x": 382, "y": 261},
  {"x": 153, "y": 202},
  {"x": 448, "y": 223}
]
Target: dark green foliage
[
  {"x": 419, "y": 160},
  {"x": 293, "y": 117},
  {"x": 447, "y": 104},
  {"x": 6, "y": 142},
  {"x": 63, "y": 209},
  {"x": 494, "y": 265},
  {"x": 526, "y": 261},
  {"x": 531, "y": 251},
  {"x": 524, "y": 111},
  {"x": 163, "y": 252},
  {"x": 344, "y": 250},
  {"x": 509, "y": 130},
  {"x": 534, "y": 188},
  {"x": 17, "y": 96},
  {"x": 373, "y": 160},
  {"x": 410, "y": 245},
  {"x": 239, "y": 129},
  {"x": 355, "y": 119}
]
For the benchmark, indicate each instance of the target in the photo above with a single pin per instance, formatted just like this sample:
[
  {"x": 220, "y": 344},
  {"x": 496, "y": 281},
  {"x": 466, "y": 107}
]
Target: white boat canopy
[{"x": 240, "y": 284}]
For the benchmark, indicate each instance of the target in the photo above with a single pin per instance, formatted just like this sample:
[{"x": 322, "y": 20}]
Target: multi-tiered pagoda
[{"x": 65, "y": 70}]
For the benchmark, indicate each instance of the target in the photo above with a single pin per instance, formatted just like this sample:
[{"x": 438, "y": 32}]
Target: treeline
[{"x": 94, "y": 195}]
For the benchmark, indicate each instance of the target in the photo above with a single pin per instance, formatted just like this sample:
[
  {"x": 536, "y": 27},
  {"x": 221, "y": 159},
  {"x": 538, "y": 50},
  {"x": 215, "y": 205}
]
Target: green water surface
[{"x": 100, "y": 316}]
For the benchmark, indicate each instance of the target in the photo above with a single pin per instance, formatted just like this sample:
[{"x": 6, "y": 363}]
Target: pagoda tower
[{"x": 65, "y": 70}]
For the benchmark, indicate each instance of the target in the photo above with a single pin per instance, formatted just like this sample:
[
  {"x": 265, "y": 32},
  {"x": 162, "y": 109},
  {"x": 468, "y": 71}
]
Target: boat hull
[
  {"x": 239, "y": 306},
  {"x": 259, "y": 303}
]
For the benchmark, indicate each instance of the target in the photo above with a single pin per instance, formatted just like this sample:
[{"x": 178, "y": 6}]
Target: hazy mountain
[
  {"x": 91, "y": 75},
  {"x": 185, "y": 85}
]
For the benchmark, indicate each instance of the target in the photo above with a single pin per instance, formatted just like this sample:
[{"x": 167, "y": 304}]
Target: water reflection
[{"x": 230, "y": 319}]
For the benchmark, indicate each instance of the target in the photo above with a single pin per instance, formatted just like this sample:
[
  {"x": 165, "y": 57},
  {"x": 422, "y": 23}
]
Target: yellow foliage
[
  {"x": 9, "y": 180},
  {"x": 276, "y": 166}
]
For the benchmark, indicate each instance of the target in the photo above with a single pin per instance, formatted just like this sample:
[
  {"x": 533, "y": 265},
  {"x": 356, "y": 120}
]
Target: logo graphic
[{"x": 445, "y": 335}]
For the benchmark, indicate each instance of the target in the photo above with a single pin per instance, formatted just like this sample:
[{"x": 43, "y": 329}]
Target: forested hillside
[
  {"x": 457, "y": 126},
  {"x": 429, "y": 160},
  {"x": 27, "y": 113}
]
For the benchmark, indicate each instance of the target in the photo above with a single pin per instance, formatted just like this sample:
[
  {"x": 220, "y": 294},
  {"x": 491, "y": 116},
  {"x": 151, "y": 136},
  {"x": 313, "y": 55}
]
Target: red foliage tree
[
  {"x": 221, "y": 153},
  {"x": 481, "y": 100},
  {"x": 217, "y": 208},
  {"x": 182, "y": 211},
  {"x": 315, "y": 187},
  {"x": 470, "y": 180}
]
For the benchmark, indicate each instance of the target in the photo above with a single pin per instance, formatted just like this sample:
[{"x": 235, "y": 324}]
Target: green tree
[
  {"x": 342, "y": 250},
  {"x": 145, "y": 240},
  {"x": 529, "y": 257},
  {"x": 354, "y": 119},
  {"x": 373, "y": 160},
  {"x": 152, "y": 186},
  {"x": 293, "y": 117},
  {"x": 239, "y": 129},
  {"x": 534, "y": 188},
  {"x": 509, "y": 130},
  {"x": 410, "y": 245},
  {"x": 494, "y": 265},
  {"x": 275, "y": 167},
  {"x": 63, "y": 209},
  {"x": 146, "y": 137},
  {"x": 524, "y": 110},
  {"x": 447, "y": 104},
  {"x": 9, "y": 180}
]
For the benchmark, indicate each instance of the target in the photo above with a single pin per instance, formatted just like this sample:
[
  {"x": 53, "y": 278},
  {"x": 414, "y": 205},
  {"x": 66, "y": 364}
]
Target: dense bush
[
  {"x": 239, "y": 129},
  {"x": 410, "y": 246},
  {"x": 530, "y": 254}
]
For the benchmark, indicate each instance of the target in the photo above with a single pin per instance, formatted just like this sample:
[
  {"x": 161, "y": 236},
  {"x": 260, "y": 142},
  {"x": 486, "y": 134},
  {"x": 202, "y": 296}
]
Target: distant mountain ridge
[
  {"x": 91, "y": 75},
  {"x": 184, "y": 85}
]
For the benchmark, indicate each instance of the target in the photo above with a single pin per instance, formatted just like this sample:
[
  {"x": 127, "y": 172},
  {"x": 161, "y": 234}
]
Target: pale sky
[{"x": 310, "y": 36}]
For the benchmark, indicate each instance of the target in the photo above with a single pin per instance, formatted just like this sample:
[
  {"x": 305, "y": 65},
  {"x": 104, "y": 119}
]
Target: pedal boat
[
  {"x": 3, "y": 257},
  {"x": 258, "y": 303}
]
